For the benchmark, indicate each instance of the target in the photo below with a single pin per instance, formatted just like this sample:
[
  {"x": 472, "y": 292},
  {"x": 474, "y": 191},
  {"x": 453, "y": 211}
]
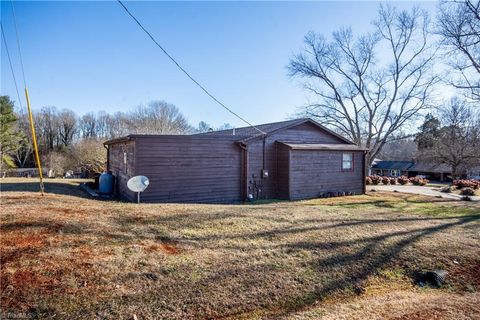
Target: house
[
  {"x": 474, "y": 173},
  {"x": 437, "y": 172},
  {"x": 391, "y": 168},
  {"x": 295, "y": 159}
]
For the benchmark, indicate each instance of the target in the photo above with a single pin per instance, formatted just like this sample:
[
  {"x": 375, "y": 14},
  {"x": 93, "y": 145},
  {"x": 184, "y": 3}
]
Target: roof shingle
[{"x": 251, "y": 131}]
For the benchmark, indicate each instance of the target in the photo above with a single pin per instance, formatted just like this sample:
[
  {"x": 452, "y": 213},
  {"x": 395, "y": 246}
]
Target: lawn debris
[
  {"x": 150, "y": 275},
  {"x": 434, "y": 278}
]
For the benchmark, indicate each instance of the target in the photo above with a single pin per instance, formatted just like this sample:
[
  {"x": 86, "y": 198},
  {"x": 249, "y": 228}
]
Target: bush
[
  {"x": 368, "y": 180},
  {"x": 417, "y": 181},
  {"x": 393, "y": 180},
  {"x": 466, "y": 183},
  {"x": 385, "y": 180},
  {"x": 376, "y": 179},
  {"x": 467, "y": 192},
  {"x": 446, "y": 189},
  {"x": 403, "y": 180}
]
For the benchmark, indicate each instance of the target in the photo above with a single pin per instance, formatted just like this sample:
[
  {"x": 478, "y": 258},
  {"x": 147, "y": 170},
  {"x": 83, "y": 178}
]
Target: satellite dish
[{"x": 138, "y": 184}]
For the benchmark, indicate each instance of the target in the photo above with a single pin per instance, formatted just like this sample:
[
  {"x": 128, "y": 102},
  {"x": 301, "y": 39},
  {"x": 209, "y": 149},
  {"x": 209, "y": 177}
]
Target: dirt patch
[
  {"x": 466, "y": 274},
  {"x": 164, "y": 246}
]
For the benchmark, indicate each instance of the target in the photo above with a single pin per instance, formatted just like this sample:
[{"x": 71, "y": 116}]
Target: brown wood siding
[
  {"x": 283, "y": 171},
  {"x": 314, "y": 172},
  {"x": 121, "y": 171},
  {"x": 211, "y": 169},
  {"x": 304, "y": 133},
  {"x": 189, "y": 169}
]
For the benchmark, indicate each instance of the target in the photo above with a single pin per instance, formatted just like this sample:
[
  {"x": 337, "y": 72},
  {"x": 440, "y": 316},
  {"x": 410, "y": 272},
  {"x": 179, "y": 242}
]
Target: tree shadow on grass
[
  {"x": 378, "y": 253},
  {"x": 255, "y": 273},
  {"x": 57, "y": 187}
]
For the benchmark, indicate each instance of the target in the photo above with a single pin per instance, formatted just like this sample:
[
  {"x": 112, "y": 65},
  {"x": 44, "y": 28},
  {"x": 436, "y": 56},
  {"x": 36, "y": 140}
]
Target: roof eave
[
  {"x": 299, "y": 122},
  {"x": 118, "y": 140}
]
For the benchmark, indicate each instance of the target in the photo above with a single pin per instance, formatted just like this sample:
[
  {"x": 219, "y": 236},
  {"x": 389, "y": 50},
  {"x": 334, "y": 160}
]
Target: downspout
[
  {"x": 108, "y": 156},
  {"x": 363, "y": 172},
  {"x": 263, "y": 151},
  {"x": 244, "y": 148}
]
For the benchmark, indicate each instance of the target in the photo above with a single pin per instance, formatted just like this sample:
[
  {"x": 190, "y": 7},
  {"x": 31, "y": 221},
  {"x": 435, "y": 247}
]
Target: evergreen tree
[
  {"x": 429, "y": 132},
  {"x": 9, "y": 137}
]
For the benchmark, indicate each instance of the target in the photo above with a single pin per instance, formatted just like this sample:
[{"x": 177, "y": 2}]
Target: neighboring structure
[
  {"x": 437, "y": 172},
  {"x": 295, "y": 159},
  {"x": 474, "y": 173},
  {"x": 391, "y": 168}
]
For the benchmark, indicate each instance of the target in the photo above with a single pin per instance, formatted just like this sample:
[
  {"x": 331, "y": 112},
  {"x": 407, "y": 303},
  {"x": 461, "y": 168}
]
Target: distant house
[
  {"x": 391, "y": 168},
  {"x": 437, "y": 172},
  {"x": 294, "y": 159},
  {"x": 474, "y": 173}
]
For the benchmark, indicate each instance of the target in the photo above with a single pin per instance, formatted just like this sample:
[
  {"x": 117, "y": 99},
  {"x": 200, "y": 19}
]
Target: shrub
[
  {"x": 446, "y": 189},
  {"x": 467, "y": 192},
  {"x": 403, "y": 180},
  {"x": 393, "y": 180},
  {"x": 419, "y": 181},
  {"x": 466, "y": 183},
  {"x": 368, "y": 180},
  {"x": 385, "y": 180},
  {"x": 376, "y": 179}
]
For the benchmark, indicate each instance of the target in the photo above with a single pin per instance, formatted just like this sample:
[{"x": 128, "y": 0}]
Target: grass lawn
[{"x": 66, "y": 256}]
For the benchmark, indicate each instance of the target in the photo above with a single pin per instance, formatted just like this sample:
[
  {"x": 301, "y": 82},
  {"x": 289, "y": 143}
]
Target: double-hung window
[{"x": 347, "y": 161}]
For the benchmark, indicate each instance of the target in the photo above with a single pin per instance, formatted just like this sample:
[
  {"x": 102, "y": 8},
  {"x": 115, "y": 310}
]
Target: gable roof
[
  {"x": 398, "y": 165},
  {"x": 243, "y": 134},
  {"x": 430, "y": 167},
  {"x": 419, "y": 166},
  {"x": 250, "y": 133}
]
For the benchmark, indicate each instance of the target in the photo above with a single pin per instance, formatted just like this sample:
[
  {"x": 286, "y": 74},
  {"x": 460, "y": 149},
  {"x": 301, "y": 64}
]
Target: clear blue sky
[{"x": 90, "y": 56}]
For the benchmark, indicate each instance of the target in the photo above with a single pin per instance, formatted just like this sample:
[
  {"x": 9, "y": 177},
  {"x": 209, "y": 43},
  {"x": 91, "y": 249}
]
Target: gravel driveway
[{"x": 427, "y": 191}]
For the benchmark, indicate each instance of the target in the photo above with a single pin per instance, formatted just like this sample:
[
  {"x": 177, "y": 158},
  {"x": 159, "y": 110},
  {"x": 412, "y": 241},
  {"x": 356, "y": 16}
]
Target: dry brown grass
[{"x": 65, "y": 256}]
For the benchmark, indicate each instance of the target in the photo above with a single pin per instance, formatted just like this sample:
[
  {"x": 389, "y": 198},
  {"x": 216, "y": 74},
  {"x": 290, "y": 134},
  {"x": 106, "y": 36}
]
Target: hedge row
[
  {"x": 403, "y": 180},
  {"x": 466, "y": 183}
]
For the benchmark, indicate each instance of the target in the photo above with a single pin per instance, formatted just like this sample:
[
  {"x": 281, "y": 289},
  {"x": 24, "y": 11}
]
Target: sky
[{"x": 90, "y": 56}]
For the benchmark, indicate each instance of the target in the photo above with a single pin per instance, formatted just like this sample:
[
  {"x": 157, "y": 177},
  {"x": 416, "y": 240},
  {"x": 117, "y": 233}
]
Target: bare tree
[
  {"x": 88, "y": 125},
  {"x": 457, "y": 142},
  {"x": 67, "y": 124},
  {"x": 88, "y": 155},
  {"x": 369, "y": 98},
  {"x": 47, "y": 123},
  {"x": 203, "y": 127},
  {"x": 117, "y": 125},
  {"x": 158, "y": 117},
  {"x": 102, "y": 124},
  {"x": 399, "y": 150},
  {"x": 459, "y": 26}
]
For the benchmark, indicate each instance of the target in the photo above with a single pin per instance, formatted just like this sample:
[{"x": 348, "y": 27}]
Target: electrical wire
[
  {"x": 30, "y": 114},
  {"x": 184, "y": 71},
  {"x": 18, "y": 44},
  {"x": 11, "y": 66}
]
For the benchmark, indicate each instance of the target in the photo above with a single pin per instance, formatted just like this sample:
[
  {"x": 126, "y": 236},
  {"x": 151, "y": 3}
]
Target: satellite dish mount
[{"x": 138, "y": 184}]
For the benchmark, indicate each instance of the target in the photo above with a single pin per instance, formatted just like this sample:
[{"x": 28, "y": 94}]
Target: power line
[
  {"x": 184, "y": 71},
  {"x": 11, "y": 66},
  {"x": 30, "y": 114},
  {"x": 18, "y": 44}
]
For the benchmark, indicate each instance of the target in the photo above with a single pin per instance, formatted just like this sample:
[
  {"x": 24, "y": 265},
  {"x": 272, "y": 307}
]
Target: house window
[{"x": 347, "y": 161}]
